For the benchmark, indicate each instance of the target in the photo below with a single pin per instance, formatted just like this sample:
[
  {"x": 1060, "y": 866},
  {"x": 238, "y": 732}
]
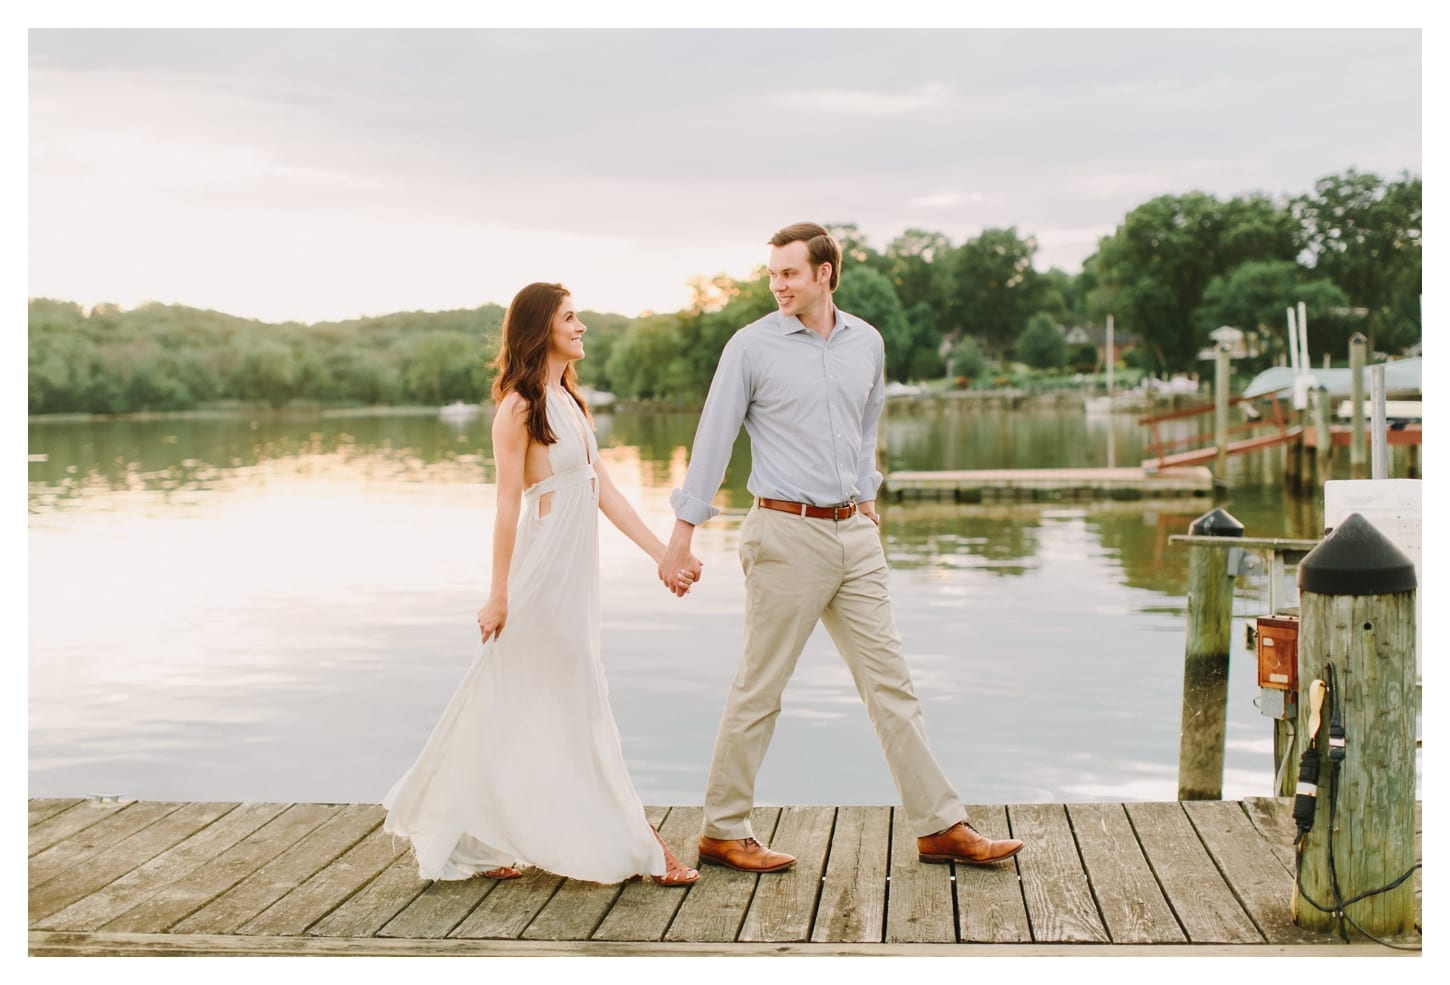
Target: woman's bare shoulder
[{"x": 512, "y": 407}]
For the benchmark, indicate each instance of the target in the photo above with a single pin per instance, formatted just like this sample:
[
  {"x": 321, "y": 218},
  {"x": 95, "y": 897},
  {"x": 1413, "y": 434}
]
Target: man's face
[{"x": 798, "y": 289}]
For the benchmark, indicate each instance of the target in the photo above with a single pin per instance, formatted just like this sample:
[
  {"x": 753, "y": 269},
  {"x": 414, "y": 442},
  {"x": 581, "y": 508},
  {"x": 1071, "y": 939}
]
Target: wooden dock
[
  {"x": 1039, "y": 485},
  {"x": 161, "y": 878}
]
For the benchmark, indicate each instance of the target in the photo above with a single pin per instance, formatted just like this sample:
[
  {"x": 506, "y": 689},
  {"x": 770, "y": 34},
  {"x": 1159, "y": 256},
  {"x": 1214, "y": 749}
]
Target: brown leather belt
[{"x": 843, "y": 512}]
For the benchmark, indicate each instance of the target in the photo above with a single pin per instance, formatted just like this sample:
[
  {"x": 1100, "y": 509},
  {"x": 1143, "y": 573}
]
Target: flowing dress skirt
[{"x": 524, "y": 767}]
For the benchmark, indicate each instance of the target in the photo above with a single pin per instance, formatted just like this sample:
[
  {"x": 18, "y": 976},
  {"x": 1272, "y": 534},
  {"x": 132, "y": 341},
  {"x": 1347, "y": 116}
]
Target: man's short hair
[{"x": 821, "y": 246}]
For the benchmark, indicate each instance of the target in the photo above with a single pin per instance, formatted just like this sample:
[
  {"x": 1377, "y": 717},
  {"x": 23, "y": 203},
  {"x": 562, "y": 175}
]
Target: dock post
[
  {"x": 1357, "y": 707},
  {"x": 1323, "y": 442},
  {"x": 1205, "y": 659},
  {"x": 1220, "y": 412},
  {"x": 1357, "y": 468}
]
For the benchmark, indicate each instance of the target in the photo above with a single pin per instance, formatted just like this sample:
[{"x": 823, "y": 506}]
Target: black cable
[{"x": 1336, "y": 758}]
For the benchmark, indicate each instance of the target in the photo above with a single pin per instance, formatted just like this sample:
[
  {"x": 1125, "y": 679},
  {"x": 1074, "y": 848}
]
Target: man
[{"x": 808, "y": 383}]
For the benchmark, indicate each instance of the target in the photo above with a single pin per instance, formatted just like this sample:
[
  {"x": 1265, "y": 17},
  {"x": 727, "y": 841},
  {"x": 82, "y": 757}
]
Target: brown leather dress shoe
[
  {"x": 745, "y": 854},
  {"x": 962, "y": 843}
]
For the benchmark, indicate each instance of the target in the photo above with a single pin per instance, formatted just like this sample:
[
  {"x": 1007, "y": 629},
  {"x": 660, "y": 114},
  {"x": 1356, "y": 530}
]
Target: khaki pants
[{"x": 799, "y": 571}]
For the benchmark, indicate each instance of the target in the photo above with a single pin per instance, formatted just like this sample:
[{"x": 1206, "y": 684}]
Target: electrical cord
[{"x": 1335, "y": 760}]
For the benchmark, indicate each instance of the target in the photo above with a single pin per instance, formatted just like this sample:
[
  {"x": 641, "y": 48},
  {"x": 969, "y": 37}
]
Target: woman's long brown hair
[{"x": 523, "y": 357}]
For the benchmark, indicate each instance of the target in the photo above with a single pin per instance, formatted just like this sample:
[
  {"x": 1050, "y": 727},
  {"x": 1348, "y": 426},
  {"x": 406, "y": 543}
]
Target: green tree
[
  {"x": 437, "y": 367},
  {"x": 719, "y": 307},
  {"x": 1365, "y": 234},
  {"x": 268, "y": 373},
  {"x": 856, "y": 253},
  {"x": 603, "y": 332},
  {"x": 1043, "y": 345},
  {"x": 997, "y": 289},
  {"x": 650, "y": 362},
  {"x": 868, "y": 294},
  {"x": 1152, "y": 272},
  {"x": 1060, "y": 297},
  {"x": 924, "y": 355},
  {"x": 919, "y": 270},
  {"x": 1254, "y": 297},
  {"x": 967, "y": 359}
]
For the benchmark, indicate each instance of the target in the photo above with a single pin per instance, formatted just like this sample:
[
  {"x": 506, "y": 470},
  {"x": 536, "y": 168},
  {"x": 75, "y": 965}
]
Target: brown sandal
[
  {"x": 676, "y": 873},
  {"x": 502, "y": 872}
]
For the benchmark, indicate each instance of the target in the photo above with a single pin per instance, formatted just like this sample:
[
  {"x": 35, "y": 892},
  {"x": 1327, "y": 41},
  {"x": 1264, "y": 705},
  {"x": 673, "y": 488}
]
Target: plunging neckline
[{"x": 577, "y": 417}]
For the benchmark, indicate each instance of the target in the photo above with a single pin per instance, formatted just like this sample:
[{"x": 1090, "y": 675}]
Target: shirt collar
[{"x": 790, "y": 324}]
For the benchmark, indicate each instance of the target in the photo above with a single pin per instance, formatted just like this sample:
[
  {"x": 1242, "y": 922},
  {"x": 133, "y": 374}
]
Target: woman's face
[{"x": 566, "y": 333}]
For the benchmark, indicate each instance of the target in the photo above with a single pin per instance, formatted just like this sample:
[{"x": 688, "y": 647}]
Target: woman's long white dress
[{"x": 525, "y": 766}]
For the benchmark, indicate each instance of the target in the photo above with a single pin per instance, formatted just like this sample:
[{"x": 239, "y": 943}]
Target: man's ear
[{"x": 823, "y": 273}]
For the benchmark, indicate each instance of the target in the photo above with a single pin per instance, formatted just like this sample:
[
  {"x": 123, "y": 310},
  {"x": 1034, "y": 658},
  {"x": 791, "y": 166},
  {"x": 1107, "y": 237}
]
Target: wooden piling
[
  {"x": 1358, "y": 469},
  {"x": 1221, "y": 371},
  {"x": 1357, "y": 635},
  {"x": 1205, "y": 659},
  {"x": 1323, "y": 444}
]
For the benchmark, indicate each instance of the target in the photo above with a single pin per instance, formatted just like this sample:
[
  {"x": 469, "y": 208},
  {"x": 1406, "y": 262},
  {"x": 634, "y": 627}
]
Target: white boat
[
  {"x": 1401, "y": 376},
  {"x": 459, "y": 411},
  {"x": 597, "y": 399}
]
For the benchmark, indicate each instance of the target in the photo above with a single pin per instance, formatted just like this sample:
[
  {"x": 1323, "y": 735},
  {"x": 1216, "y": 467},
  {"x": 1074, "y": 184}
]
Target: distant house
[{"x": 1097, "y": 337}]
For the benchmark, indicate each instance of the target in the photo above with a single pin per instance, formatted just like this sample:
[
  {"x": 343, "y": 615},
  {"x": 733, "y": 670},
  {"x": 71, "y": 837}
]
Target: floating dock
[
  {"x": 1038, "y": 485},
  {"x": 163, "y": 878}
]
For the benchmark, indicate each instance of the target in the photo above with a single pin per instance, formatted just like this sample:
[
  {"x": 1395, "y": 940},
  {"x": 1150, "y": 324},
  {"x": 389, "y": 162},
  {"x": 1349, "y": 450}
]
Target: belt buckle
[{"x": 848, "y": 508}]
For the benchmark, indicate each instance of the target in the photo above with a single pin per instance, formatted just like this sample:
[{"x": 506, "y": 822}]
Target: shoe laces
[{"x": 750, "y": 843}]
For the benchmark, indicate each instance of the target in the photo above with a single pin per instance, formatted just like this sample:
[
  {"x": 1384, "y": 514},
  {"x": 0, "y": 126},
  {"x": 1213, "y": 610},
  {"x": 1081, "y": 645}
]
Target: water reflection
[{"x": 273, "y": 608}]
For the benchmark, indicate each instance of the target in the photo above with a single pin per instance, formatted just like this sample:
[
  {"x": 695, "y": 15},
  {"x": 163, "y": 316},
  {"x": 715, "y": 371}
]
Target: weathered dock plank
[
  {"x": 577, "y": 909},
  {"x": 325, "y": 889},
  {"x": 1197, "y": 877},
  {"x": 72, "y": 840},
  {"x": 507, "y": 910},
  {"x": 367, "y": 911},
  {"x": 919, "y": 903},
  {"x": 1128, "y": 897},
  {"x": 714, "y": 908},
  {"x": 103, "y": 867},
  {"x": 574, "y": 912},
  {"x": 852, "y": 907},
  {"x": 785, "y": 902},
  {"x": 205, "y": 883},
  {"x": 1059, "y": 899},
  {"x": 985, "y": 485},
  {"x": 1259, "y": 881},
  {"x": 435, "y": 911},
  {"x": 1204, "y": 904},
  {"x": 150, "y": 878},
  {"x": 990, "y": 907},
  {"x": 1273, "y": 818},
  {"x": 60, "y": 825},
  {"x": 55, "y": 944},
  {"x": 47, "y": 807},
  {"x": 643, "y": 911},
  {"x": 279, "y": 876}
]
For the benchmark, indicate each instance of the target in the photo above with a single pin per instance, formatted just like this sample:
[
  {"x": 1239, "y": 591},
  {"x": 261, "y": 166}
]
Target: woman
[{"x": 525, "y": 767}]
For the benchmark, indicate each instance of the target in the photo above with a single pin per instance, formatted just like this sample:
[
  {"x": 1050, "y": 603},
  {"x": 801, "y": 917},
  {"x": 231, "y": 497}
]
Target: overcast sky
[{"x": 321, "y": 175}]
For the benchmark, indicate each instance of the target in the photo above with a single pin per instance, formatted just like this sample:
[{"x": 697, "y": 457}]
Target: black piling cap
[
  {"x": 1216, "y": 524},
  {"x": 1356, "y": 559}
]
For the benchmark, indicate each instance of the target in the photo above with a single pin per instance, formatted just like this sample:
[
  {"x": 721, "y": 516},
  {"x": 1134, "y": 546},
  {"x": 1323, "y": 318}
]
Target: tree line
[{"x": 1177, "y": 267}]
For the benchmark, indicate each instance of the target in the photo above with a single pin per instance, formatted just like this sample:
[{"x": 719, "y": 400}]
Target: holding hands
[
  {"x": 679, "y": 568},
  {"x": 681, "y": 579}
]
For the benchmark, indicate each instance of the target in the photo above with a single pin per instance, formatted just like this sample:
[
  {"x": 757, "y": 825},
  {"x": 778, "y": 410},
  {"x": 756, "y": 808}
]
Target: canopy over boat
[{"x": 1401, "y": 376}]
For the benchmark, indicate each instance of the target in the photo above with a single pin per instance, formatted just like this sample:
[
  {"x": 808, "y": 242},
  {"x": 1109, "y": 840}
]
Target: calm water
[{"x": 269, "y": 609}]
